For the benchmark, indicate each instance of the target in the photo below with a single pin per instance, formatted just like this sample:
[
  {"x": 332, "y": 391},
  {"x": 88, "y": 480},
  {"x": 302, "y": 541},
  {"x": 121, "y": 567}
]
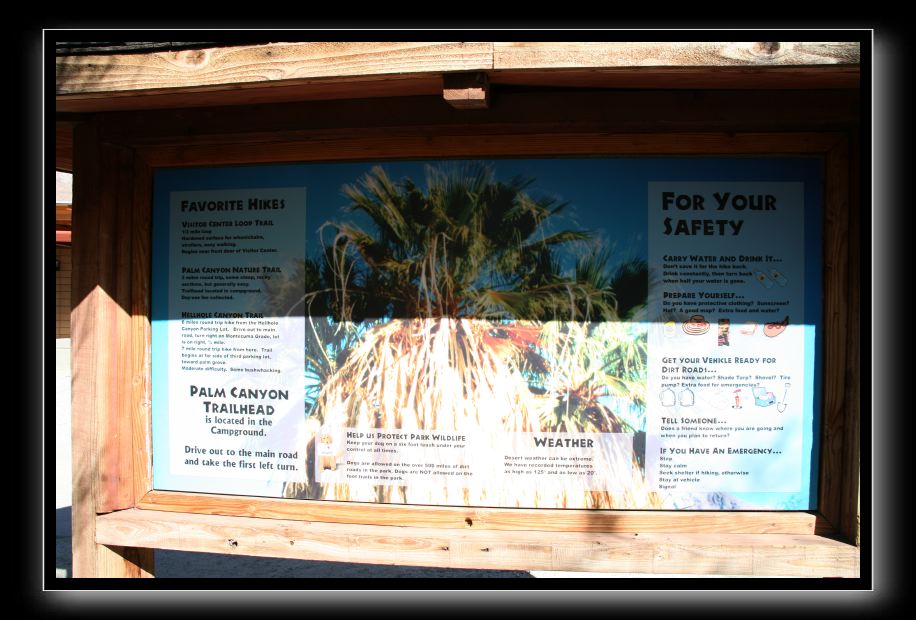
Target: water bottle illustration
[{"x": 777, "y": 275}]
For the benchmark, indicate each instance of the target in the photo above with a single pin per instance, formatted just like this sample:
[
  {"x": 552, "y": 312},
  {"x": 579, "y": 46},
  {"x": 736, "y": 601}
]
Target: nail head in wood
[{"x": 466, "y": 90}]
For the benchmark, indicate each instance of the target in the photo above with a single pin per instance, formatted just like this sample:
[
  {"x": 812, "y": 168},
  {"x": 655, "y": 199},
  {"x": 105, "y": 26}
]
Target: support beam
[
  {"x": 647, "y": 54},
  {"x": 100, "y": 319},
  {"x": 274, "y": 63},
  {"x": 719, "y": 554},
  {"x": 275, "y": 72},
  {"x": 453, "y": 517}
]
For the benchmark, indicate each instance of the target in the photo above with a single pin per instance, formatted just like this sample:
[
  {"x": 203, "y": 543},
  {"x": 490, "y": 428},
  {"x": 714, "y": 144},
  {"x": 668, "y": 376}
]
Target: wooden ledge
[
  {"x": 452, "y": 517},
  {"x": 791, "y": 555}
]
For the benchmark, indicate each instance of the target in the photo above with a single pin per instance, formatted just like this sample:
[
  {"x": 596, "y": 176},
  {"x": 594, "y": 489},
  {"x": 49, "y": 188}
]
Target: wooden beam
[
  {"x": 720, "y": 554},
  {"x": 310, "y": 71},
  {"x": 564, "y": 55},
  {"x": 363, "y": 87},
  {"x": 483, "y": 518},
  {"x": 752, "y": 79},
  {"x": 466, "y": 91},
  {"x": 743, "y": 77},
  {"x": 273, "y": 63},
  {"x": 511, "y": 112},
  {"x": 358, "y": 145},
  {"x": 284, "y": 62}
]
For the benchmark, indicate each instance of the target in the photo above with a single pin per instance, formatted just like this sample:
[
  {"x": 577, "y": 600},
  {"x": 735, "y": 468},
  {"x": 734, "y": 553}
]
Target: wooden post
[
  {"x": 839, "y": 421},
  {"x": 849, "y": 518},
  {"x": 101, "y": 360}
]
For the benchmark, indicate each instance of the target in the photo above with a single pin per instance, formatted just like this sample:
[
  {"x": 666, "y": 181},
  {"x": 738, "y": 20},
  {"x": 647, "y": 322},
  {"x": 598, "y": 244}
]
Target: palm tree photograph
[{"x": 464, "y": 300}]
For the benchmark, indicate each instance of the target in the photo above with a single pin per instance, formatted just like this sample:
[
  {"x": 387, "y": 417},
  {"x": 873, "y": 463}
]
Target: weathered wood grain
[
  {"x": 257, "y": 64},
  {"x": 722, "y": 554},
  {"x": 102, "y": 454},
  {"x": 540, "y": 55},
  {"x": 86, "y": 302},
  {"x": 282, "y": 62},
  {"x": 309, "y": 71},
  {"x": 117, "y": 193},
  {"x": 481, "y": 518},
  {"x": 140, "y": 331},
  {"x": 123, "y": 562},
  {"x": 109, "y": 252},
  {"x": 317, "y": 89}
]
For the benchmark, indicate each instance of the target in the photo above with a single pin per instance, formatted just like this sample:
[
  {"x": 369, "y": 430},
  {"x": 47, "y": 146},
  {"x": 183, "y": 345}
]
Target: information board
[{"x": 550, "y": 333}]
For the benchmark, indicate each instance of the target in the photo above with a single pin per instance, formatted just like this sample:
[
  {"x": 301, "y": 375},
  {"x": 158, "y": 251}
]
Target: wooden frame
[
  {"x": 341, "y": 70},
  {"x": 121, "y": 518}
]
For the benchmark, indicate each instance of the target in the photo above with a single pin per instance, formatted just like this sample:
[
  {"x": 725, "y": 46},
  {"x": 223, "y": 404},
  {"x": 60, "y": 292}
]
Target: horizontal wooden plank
[
  {"x": 271, "y": 63},
  {"x": 482, "y": 518},
  {"x": 283, "y": 62},
  {"x": 511, "y": 112},
  {"x": 108, "y": 47},
  {"x": 363, "y": 87},
  {"x": 312, "y": 71},
  {"x": 721, "y": 554},
  {"x": 539, "y": 55},
  {"x": 361, "y": 147},
  {"x": 751, "y": 78}
]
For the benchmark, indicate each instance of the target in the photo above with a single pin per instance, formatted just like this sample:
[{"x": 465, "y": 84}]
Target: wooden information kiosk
[{"x": 531, "y": 306}]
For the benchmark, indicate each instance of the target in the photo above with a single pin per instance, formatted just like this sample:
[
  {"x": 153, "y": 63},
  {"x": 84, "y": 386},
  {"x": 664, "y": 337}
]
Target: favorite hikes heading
[{"x": 254, "y": 204}]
